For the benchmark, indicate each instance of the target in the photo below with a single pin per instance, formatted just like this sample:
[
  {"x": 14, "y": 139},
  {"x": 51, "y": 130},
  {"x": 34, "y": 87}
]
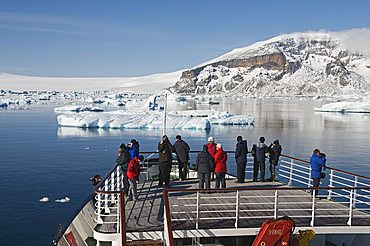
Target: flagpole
[{"x": 165, "y": 116}]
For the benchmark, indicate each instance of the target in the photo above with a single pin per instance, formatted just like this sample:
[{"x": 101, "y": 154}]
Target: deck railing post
[
  {"x": 122, "y": 215},
  {"x": 331, "y": 179},
  {"x": 112, "y": 186},
  {"x": 237, "y": 209},
  {"x": 106, "y": 198},
  {"x": 98, "y": 205},
  {"x": 355, "y": 192},
  {"x": 197, "y": 221},
  {"x": 312, "y": 223},
  {"x": 276, "y": 204},
  {"x": 291, "y": 172},
  {"x": 349, "y": 222}
]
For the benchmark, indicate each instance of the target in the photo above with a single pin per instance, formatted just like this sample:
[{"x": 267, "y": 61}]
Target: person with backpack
[
  {"x": 274, "y": 154},
  {"x": 261, "y": 152},
  {"x": 133, "y": 172},
  {"x": 182, "y": 152},
  {"x": 317, "y": 162},
  {"x": 241, "y": 158},
  {"x": 204, "y": 165},
  {"x": 220, "y": 166}
]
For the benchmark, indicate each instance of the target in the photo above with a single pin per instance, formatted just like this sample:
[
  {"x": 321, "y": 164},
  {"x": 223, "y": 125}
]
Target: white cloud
[{"x": 356, "y": 40}]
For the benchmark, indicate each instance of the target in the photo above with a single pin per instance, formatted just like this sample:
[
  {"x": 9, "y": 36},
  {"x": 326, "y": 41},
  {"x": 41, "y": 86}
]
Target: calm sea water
[{"x": 39, "y": 159}]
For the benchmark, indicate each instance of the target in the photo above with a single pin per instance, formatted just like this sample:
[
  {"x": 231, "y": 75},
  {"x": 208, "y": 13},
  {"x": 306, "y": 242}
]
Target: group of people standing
[
  {"x": 213, "y": 159},
  {"x": 210, "y": 162},
  {"x": 128, "y": 158}
]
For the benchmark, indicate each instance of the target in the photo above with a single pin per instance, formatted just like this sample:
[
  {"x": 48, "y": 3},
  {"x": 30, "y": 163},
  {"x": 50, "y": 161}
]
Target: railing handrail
[
  {"x": 263, "y": 188},
  {"x": 328, "y": 167},
  {"x": 168, "y": 218},
  {"x": 96, "y": 190}
]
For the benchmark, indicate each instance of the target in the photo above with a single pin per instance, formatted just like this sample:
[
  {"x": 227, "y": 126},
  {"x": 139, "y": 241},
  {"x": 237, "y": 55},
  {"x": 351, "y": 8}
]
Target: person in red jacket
[
  {"x": 212, "y": 150},
  {"x": 133, "y": 172},
  {"x": 220, "y": 169}
]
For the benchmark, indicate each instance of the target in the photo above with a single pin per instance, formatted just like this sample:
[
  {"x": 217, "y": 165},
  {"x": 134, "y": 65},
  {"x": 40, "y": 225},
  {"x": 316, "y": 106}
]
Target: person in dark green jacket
[{"x": 165, "y": 150}]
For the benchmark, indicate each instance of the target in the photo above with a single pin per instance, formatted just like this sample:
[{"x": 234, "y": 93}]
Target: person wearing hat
[
  {"x": 212, "y": 151},
  {"x": 275, "y": 151},
  {"x": 165, "y": 150},
  {"x": 204, "y": 165},
  {"x": 182, "y": 152},
  {"x": 133, "y": 172},
  {"x": 220, "y": 166},
  {"x": 133, "y": 148},
  {"x": 241, "y": 158},
  {"x": 261, "y": 151}
]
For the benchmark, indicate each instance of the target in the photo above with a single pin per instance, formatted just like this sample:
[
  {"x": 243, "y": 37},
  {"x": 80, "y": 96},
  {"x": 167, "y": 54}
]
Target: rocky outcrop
[{"x": 304, "y": 65}]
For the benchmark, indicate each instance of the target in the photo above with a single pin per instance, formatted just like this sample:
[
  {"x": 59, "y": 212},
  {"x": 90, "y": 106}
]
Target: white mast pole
[{"x": 165, "y": 115}]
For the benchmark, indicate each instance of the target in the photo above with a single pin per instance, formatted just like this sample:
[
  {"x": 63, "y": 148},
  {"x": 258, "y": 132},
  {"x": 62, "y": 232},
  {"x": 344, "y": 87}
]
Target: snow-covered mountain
[{"x": 298, "y": 64}]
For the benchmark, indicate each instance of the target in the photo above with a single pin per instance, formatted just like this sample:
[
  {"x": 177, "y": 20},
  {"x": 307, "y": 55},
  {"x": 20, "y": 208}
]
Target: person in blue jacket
[
  {"x": 317, "y": 162},
  {"x": 133, "y": 148}
]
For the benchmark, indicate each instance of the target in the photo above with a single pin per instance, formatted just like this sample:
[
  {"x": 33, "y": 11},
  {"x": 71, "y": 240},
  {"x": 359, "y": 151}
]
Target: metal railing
[
  {"x": 109, "y": 202},
  {"x": 348, "y": 190},
  {"x": 248, "y": 207},
  {"x": 296, "y": 172}
]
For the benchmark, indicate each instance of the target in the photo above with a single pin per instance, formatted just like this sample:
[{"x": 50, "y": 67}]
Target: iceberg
[
  {"x": 78, "y": 108},
  {"x": 63, "y": 200},
  {"x": 360, "y": 106},
  {"x": 192, "y": 119},
  {"x": 44, "y": 199}
]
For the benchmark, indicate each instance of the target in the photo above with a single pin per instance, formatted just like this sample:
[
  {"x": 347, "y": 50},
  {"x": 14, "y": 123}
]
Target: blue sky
[{"x": 132, "y": 38}]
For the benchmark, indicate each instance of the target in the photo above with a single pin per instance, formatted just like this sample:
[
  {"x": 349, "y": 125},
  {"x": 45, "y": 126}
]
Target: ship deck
[{"x": 217, "y": 210}]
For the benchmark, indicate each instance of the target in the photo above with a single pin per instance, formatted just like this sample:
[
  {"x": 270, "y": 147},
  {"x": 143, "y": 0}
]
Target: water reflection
[{"x": 293, "y": 122}]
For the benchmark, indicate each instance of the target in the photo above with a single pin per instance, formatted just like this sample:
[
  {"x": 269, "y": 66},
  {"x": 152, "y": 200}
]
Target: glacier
[{"x": 191, "y": 119}]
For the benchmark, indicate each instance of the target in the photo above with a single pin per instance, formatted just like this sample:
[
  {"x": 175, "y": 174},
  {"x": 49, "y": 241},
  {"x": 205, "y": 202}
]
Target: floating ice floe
[
  {"x": 192, "y": 119},
  {"x": 44, "y": 199},
  {"x": 360, "y": 106},
  {"x": 63, "y": 200},
  {"x": 77, "y": 109}
]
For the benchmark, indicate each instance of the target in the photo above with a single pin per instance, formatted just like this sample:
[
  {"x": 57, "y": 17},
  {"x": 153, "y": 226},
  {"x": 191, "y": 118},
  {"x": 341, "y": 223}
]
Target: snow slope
[{"x": 145, "y": 84}]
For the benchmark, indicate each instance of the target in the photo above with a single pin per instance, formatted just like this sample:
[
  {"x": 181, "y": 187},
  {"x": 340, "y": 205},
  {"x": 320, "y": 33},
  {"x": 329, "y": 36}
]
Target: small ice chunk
[
  {"x": 44, "y": 199},
  {"x": 63, "y": 200},
  {"x": 87, "y": 148}
]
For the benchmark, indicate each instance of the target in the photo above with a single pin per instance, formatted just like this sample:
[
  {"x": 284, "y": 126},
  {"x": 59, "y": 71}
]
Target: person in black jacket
[
  {"x": 241, "y": 158},
  {"x": 123, "y": 158},
  {"x": 261, "y": 150},
  {"x": 255, "y": 163},
  {"x": 182, "y": 151},
  {"x": 275, "y": 151},
  {"x": 165, "y": 150},
  {"x": 205, "y": 164}
]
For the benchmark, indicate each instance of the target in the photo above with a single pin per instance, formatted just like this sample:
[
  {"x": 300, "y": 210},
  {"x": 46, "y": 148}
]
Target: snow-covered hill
[
  {"x": 145, "y": 84},
  {"x": 298, "y": 64}
]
